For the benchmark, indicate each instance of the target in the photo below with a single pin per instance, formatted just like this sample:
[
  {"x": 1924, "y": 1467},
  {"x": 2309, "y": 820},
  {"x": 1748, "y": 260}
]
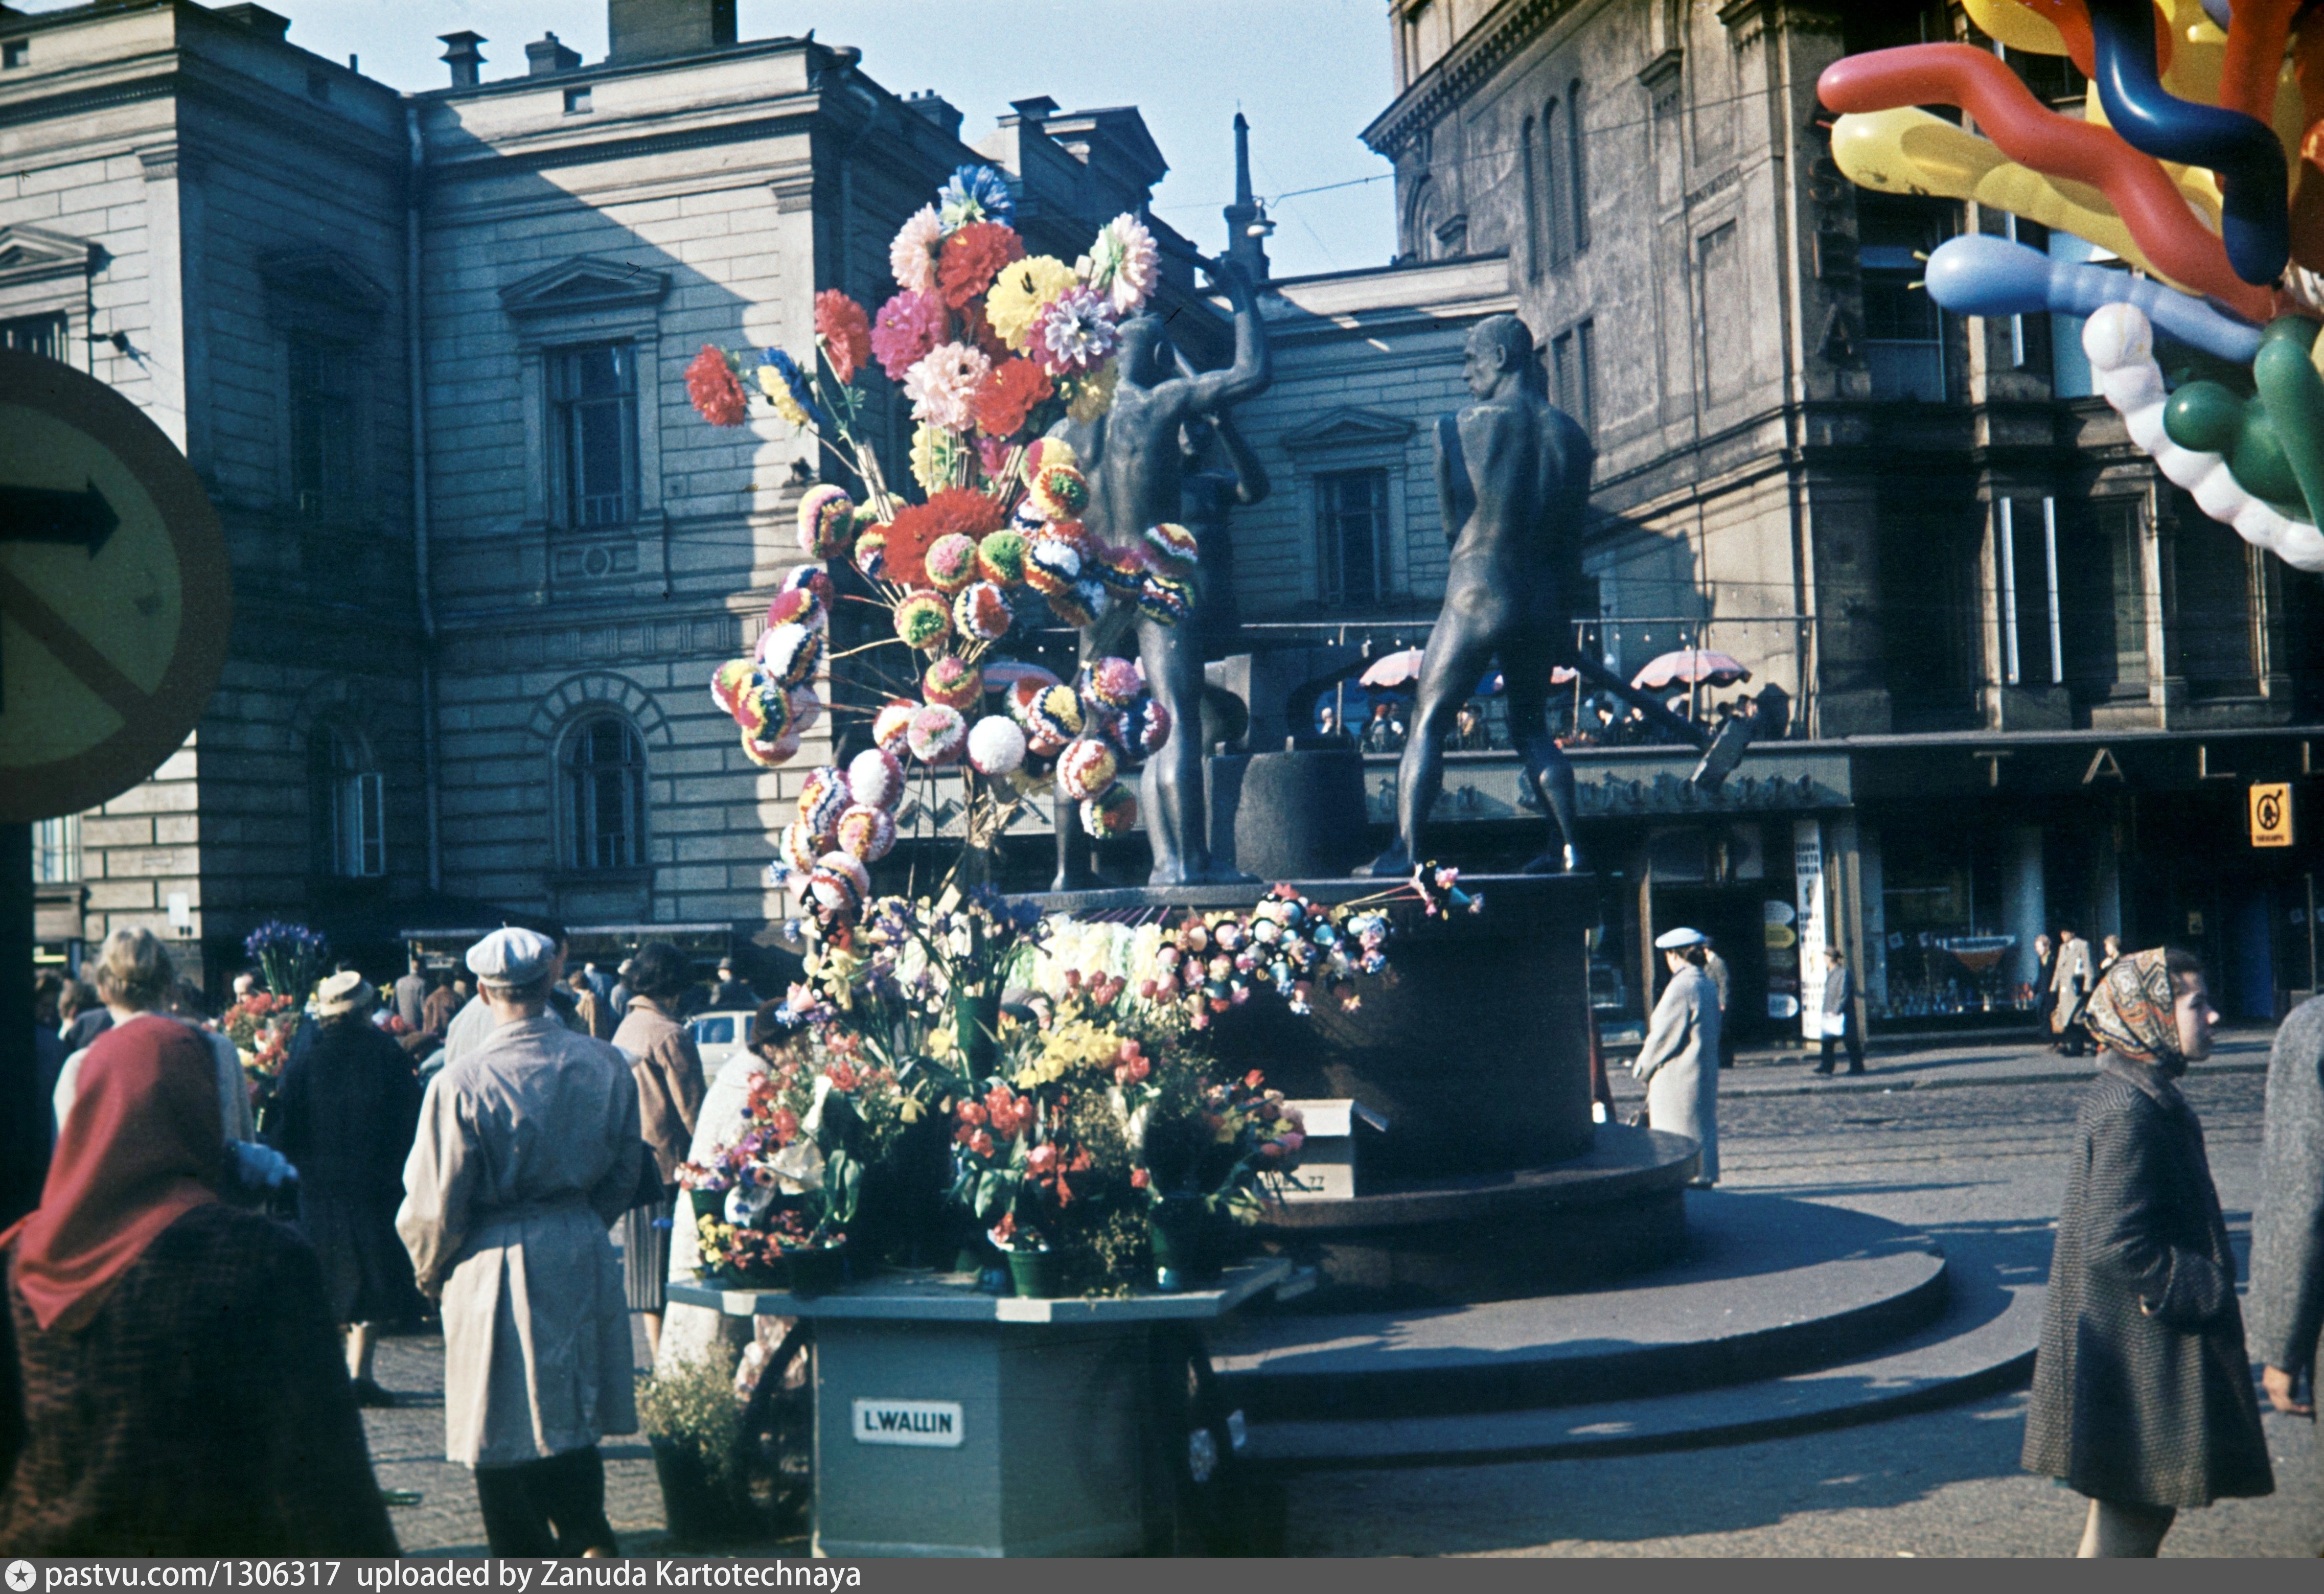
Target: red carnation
[
  {"x": 917, "y": 526},
  {"x": 1005, "y": 398},
  {"x": 910, "y": 325},
  {"x": 845, "y": 331},
  {"x": 710, "y": 382},
  {"x": 973, "y": 257}
]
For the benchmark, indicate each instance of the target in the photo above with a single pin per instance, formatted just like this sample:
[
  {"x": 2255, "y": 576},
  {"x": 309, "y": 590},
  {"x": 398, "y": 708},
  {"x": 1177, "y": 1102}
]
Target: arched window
[
  {"x": 1526, "y": 158},
  {"x": 1577, "y": 166},
  {"x": 602, "y": 793},
  {"x": 346, "y": 806},
  {"x": 1557, "y": 182}
]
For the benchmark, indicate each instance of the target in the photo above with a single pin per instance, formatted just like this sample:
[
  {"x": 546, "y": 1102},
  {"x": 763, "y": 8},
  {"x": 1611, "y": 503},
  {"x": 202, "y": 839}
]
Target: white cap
[
  {"x": 512, "y": 955},
  {"x": 1674, "y": 940}
]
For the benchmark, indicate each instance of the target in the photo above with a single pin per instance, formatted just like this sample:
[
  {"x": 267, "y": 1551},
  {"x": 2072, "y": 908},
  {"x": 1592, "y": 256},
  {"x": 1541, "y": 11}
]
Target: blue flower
[
  {"x": 974, "y": 193},
  {"x": 801, "y": 391}
]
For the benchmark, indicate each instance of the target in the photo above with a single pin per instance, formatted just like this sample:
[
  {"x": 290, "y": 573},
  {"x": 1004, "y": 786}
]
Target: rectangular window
[
  {"x": 1571, "y": 358},
  {"x": 16, "y": 53},
  {"x": 359, "y": 828},
  {"x": 1352, "y": 512},
  {"x": 56, "y": 851},
  {"x": 593, "y": 434},
  {"x": 322, "y": 427},
  {"x": 2212, "y": 605},
  {"x": 577, "y": 100},
  {"x": 1903, "y": 333},
  {"x": 1726, "y": 317},
  {"x": 35, "y": 335},
  {"x": 1557, "y": 184}
]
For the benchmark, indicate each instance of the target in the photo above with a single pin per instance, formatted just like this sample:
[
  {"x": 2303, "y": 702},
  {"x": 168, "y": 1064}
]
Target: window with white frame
[
  {"x": 602, "y": 784},
  {"x": 347, "y": 807},
  {"x": 56, "y": 851},
  {"x": 1351, "y": 535},
  {"x": 593, "y": 434}
]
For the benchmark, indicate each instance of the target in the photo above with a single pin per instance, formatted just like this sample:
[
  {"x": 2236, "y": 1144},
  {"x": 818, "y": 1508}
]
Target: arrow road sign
[{"x": 45, "y": 514}]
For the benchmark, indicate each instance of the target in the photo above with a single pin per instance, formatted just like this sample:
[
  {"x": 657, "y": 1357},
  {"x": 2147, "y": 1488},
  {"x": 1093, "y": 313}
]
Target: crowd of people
[{"x": 181, "y": 1369}]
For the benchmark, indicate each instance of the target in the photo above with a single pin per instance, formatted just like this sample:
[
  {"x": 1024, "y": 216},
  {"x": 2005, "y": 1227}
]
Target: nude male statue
[
  {"x": 1133, "y": 459},
  {"x": 1513, "y": 479}
]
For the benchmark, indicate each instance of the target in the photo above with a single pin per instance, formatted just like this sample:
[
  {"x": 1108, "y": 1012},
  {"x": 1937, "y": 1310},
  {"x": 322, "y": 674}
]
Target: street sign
[
  {"x": 2271, "y": 813},
  {"x": 115, "y": 594}
]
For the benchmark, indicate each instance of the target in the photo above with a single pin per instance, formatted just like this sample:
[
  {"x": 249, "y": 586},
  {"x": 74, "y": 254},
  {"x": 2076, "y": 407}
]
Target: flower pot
[
  {"x": 1184, "y": 1242},
  {"x": 1033, "y": 1273},
  {"x": 695, "y": 1513},
  {"x": 817, "y": 1271},
  {"x": 708, "y": 1203}
]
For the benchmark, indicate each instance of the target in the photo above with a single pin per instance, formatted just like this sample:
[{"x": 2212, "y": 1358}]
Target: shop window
[
  {"x": 602, "y": 774},
  {"x": 56, "y": 851},
  {"x": 347, "y": 806},
  {"x": 593, "y": 434},
  {"x": 1351, "y": 535},
  {"x": 1941, "y": 902}
]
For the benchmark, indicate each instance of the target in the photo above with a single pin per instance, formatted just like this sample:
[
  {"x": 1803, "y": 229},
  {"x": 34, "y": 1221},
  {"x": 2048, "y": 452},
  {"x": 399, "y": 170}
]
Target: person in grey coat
[
  {"x": 2287, "y": 1269},
  {"x": 1839, "y": 1013},
  {"x": 2142, "y": 1388},
  {"x": 1680, "y": 1060}
]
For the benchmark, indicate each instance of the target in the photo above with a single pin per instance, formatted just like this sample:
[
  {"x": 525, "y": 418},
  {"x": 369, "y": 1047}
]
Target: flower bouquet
[
  {"x": 993, "y": 348},
  {"x": 292, "y": 959}
]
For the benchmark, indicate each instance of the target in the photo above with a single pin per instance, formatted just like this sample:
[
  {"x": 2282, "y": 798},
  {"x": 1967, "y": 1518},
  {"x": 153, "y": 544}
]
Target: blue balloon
[{"x": 1977, "y": 275}]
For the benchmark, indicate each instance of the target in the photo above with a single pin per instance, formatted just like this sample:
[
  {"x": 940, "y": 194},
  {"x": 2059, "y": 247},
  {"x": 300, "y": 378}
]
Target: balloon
[
  {"x": 2137, "y": 186},
  {"x": 1978, "y": 275},
  {"x": 2210, "y": 419},
  {"x": 2120, "y": 344},
  {"x": 2256, "y": 224},
  {"x": 2294, "y": 395}
]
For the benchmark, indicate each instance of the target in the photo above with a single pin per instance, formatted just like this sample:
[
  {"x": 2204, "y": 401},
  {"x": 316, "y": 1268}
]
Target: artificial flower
[
  {"x": 972, "y": 258},
  {"x": 1123, "y": 263},
  {"x": 845, "y": 331},
  {"x": 943, "y": 385},
  {"x": 935, "y": 456},
  {"x": 973, "y": 194},
  {"x": 787, "y": 385},
  {"x": 1021, "y": 291},
  {"x": 1006, "y": 398},
  {"x": 1075, "y": 331},
  {"x": 910, "y": 326},
  {"x": 1090, "y": 396},
  {"x": 711, "y": 383},
  {"x": 912, "y": 257},
  {"x": 918, "y": 526}
]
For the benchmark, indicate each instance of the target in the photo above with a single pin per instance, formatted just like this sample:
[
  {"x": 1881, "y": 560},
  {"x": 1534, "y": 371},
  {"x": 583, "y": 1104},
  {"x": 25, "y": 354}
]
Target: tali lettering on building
[
  {"x": 2271, "y": 813},
  {"x": 935, "y": 1424}
]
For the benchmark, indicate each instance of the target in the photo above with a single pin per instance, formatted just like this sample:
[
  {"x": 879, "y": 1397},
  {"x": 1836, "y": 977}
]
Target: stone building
[
  {"x": 426, "y": 352},
  {"x": 2037, "y": 682}
]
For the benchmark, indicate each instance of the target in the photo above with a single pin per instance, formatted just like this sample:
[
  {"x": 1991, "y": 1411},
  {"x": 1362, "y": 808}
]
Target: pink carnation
[
  {"x": 910, "y": 326},
  {"x": 943, "y": 385},
  {"x": 912, "y": 257}
]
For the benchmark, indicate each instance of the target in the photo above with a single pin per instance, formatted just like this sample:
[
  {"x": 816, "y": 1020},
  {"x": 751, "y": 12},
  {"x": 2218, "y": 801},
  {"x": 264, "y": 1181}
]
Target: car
[{"x": 718, "y": 1035}]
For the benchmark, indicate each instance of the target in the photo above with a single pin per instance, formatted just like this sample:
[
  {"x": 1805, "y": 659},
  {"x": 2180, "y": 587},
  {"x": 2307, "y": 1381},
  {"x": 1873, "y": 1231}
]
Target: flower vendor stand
[{"x": 951, "y": 1421}]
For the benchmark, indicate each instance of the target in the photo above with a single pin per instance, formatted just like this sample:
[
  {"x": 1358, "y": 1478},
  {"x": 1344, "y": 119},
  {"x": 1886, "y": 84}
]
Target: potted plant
[
  {"x": 1215, "y": 1155},
  {"x": 693, "y": 1426}
]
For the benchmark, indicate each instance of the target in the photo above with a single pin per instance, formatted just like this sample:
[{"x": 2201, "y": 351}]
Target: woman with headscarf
[
  {"x": 344, "y": 1112},
  {"x": 1679, "y": 1062},
  {"x": 668, "y": 1072},
  {"x": 169, "y": 1382},
  {"x": 2142, "y": 1388}
]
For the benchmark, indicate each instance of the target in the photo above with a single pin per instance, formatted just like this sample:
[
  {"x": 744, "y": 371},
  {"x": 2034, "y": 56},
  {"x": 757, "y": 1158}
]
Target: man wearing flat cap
[
  {"x": 1680, "y": 1060},
  {"x": 528, "y": 1148}
]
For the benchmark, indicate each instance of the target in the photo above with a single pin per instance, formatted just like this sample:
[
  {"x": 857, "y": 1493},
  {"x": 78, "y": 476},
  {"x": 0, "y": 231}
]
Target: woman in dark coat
[
  {"x": 170, "y": 1384},
  {"x": 2143, "y": 1389},
  {"x": 344, "y": 1114}
]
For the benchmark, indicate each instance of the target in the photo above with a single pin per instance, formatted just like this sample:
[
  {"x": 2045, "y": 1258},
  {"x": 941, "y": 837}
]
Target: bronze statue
[
  {"x": 1133, "y": 456},
  {"x": 1513, "y": 480}
]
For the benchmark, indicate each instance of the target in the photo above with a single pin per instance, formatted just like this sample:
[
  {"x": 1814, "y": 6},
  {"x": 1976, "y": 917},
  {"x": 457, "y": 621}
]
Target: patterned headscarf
[{"x": 2133, "y": 1012}]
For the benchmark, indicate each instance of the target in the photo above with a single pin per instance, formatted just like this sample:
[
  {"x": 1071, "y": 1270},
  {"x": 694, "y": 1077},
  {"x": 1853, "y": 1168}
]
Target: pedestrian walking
[
  {"x": 345, "y": 1113},
  {"x": 528, "y": 1149},
  {"x": 136, "y": 976},
  {"x": 412, "y": 994},
  {"x": 2071, "y": 987},
  {"x": 2287, "y": 1255},
  {"x": 1679, "y": 1063},
  {"x": 2142, "y": 1388},
  {"x": 669, "y": 1070},
  {"x": 586, "y": 1007},
  {"x": 600, "y": 983},
  {"x": 729, "y": 994},
  {"x": 1715, "y": 966},
  {"x": 83, "y": 1015},
  {"x": 169, "y": 1383},
  {"x": 2045, "y": 970},
  {"x": 1839, "y": 1013},
  {"x": 618, "y": 999},
  {"x": 443, "y": 1004}
]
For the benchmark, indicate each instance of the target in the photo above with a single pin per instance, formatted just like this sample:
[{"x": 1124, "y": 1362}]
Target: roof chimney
[
  {"x": 658, "y": 30},
  {"x": 1247, "y": 222},
  {"x": 257, "y": 19},
  {"x": 464, "y": 57},
  {"x": 936, "y": 108},
  {"x": 547, "y": 57}
]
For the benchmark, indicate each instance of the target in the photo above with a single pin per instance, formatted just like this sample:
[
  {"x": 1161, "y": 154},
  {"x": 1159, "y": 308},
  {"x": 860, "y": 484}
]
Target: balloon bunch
[{"x": 2198, "y": 160}]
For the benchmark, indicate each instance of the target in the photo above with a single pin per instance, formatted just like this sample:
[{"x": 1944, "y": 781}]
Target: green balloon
[
  {"x": 2212, "y": 418},
  {"x": 2294, "y": 396}
]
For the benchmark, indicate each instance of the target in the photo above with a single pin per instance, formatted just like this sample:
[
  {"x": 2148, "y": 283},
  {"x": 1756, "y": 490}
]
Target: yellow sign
[{"x": 2271, "y": 813}]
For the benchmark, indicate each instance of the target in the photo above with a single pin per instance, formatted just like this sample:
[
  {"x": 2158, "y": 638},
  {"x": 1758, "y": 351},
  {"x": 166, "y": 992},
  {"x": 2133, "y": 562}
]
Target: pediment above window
[
  {"x": 322, "y": 290},
  {"x": 583, "y": 283},
  {"x": 1348, "y": 427},
  {"x": 31, "y": 254}
]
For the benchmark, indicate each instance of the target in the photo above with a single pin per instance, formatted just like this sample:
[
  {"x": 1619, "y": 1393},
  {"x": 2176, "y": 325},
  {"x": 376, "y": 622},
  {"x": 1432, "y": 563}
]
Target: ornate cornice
[{"x": 1453, "y": 78}]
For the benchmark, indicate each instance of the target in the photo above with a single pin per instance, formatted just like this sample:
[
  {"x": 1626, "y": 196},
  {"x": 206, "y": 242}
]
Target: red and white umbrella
[
  {"x": 1397, "y": 670},
  {"x": 1689, "y": 667}
]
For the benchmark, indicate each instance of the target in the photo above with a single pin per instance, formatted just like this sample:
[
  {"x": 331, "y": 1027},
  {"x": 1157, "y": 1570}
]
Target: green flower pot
[
  {"x": 1184, "y": 1242},
  {"x": 812, "y": 1273},
  {"x": 1034, "y": 1273},
  {"x": 708, "y": 1203}
]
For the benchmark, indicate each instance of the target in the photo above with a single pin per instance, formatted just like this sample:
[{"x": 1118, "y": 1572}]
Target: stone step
[{"x": 1768, "y": 1286}]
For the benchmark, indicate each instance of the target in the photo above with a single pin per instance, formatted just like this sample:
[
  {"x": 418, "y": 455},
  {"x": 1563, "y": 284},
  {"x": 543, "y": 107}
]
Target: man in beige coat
[
  {"x": 528, "y": 1149},
  {"x": 1680, "y": 1060}
]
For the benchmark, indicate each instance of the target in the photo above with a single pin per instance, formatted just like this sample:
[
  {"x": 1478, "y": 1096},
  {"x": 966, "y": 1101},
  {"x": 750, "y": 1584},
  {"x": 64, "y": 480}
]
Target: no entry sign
[{"x": 114, "y": 594}]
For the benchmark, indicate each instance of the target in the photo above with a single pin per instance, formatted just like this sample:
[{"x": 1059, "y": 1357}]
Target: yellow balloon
[
  {"x": 2014, "y": 26},
  {"x": 1908, "y": 151}
]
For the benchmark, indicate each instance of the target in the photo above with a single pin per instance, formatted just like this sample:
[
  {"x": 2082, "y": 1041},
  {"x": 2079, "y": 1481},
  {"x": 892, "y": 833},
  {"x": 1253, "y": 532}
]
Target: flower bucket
[
  {"x": 1033, "y": 1273},
  {"x": 814, "y": 1272},
  {"x": 1185, "y": 1243},
  {"x": 708, "y": 1203}
]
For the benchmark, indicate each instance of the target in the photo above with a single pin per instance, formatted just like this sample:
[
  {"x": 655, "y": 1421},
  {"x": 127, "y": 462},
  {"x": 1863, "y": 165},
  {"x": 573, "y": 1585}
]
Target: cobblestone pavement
[{"x": 1981, "y": 1167}]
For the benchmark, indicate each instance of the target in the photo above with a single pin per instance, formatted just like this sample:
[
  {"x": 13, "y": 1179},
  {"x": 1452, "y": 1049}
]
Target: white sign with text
[{"x": 933, "y": 1422}]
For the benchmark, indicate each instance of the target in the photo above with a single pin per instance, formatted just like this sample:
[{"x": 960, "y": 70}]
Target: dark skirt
[
  {"x": 366, "y": 1271},
  {"x": 645, "y": 1252}
]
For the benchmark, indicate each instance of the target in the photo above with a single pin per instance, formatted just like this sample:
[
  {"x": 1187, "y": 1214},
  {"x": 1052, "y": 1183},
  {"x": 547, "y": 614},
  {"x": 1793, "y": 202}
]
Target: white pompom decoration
[
  {"x": 996, "y": 746},
  {"x": 876, "y": 777}
]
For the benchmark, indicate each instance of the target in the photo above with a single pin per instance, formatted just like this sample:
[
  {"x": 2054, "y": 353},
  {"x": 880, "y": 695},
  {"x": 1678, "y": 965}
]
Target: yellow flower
[
  {"x": 941, "y": 1042},
  {"x": 1089, "y": 397},
  {"x": 936, "y": 455},
  {"x": 1023, "y": 290},
  {"x": 770, "y": 381}
]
